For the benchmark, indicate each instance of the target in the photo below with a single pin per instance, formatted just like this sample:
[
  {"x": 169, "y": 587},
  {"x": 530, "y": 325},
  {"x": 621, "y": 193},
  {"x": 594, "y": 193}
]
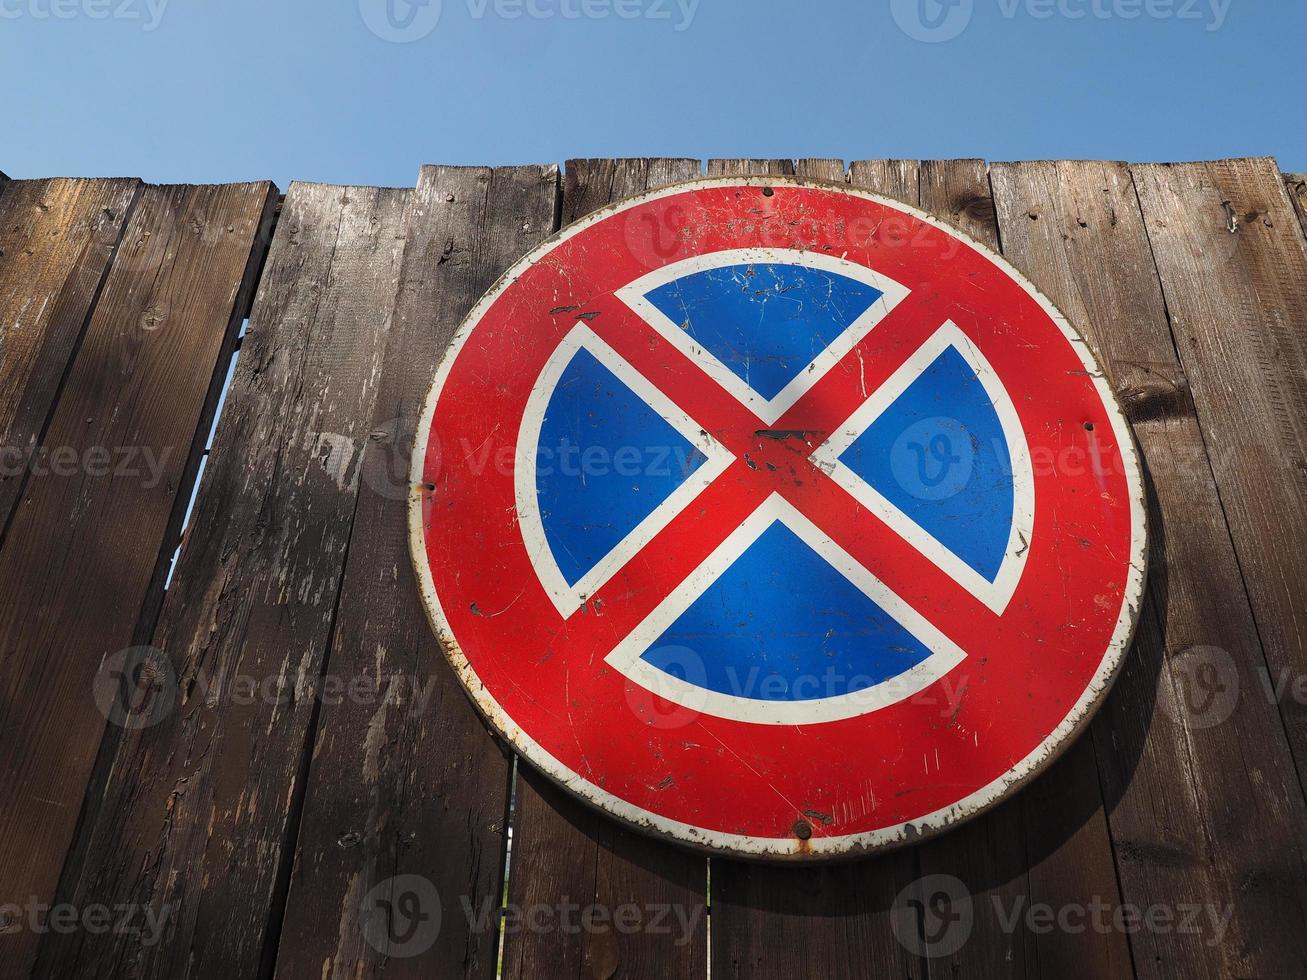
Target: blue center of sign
[
  {"x": 779, "y": 623},
  {"x": 938, "y": 454},
  {"x": 782, "y": 625},
  {"x": 766, "y": 322},
  {"x": 605, "y": 461}
]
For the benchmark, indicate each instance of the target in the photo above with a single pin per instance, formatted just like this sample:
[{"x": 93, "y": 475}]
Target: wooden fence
[{"x": 256, "y": 822}]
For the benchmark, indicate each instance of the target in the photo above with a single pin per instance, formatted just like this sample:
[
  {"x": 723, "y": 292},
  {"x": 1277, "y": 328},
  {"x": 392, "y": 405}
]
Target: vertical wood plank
[
  {"x": 827, "y": 921},
  {"x": 1049, "y": 845},
  {"x": 565, "y": 853},
  {"x": 1297, "y": 185},
  {"x": 830, "y": 921},
  {"x": 983, "y": 861},
  {"x": 57, "y": 239},
  {"x": 899, "y": 179},
  {"x": 745, "y": 168},
  {"x": 1196, "y": 819},
  {"x": 822, "y": 169},
  {"x": 1231, "y": 257},
  {"x": 195, "y": 818},
  {"x": 90, "y": 534},
  {"x": 958, "y": 191},
  {"x": 407, "y": 788}
]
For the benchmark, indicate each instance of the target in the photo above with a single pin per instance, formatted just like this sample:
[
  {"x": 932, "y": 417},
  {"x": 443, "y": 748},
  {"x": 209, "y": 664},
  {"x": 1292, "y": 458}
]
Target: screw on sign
[{"x": 780, "y": 568}]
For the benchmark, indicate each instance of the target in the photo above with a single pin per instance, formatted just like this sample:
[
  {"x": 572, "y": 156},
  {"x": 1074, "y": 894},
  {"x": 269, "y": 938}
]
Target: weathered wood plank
[
  {"x": 1049, "y": 845},
  {"x": 745, "y": 168},
  {"x": 1231, "y": 257},
  {"x": 196, "y": 814},
  {"x": 57, "y": 239},
  {"x": 899, "y": 179},
  {"x": 408, "y": 782},
  {"x": 1297, "y": 185},
  {"x": 565, "y": 853},
  {"x": 958, "y": 191},
  {"x": 829, "y": 921},
  {"x": 1066, "y": 224},
  {"x": 983, "y": 861},
  {"x": 90, "y": 534},
  {"x": 1196, "y": 819},
  {"x": 822, "y": 169}
]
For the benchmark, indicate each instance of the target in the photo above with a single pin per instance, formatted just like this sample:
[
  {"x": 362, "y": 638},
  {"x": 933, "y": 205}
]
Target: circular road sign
[{"x": 777, "y": 518}]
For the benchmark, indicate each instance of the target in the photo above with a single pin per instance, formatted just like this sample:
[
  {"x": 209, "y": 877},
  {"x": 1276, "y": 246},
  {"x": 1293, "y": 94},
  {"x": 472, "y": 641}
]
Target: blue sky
[{"x": 183, "y": 90}]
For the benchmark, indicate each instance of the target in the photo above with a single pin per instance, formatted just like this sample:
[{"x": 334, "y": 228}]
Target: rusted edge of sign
[{"x": 789, "y": 849}]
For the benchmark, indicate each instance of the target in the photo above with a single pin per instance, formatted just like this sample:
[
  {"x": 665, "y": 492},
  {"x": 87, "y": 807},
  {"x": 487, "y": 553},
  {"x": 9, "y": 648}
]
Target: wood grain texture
[
  {"x": 91, "y": 533},
  {"x": 821, "y": 168},
  {"x": 831, "y": 921},
  {"x": 409, "y": 782},
  {"x": 566, "y": 853},
  {"x": 1297, "y": 186},
  {"x": 1230, "y": 253},
  {"x": 1194, "y": 819},
  {"x": 959, "y": 192},
  {"x": 899, "y": 179},
  {"x": 57, "y": 239},
  {"x": 195, "y": 817},
  {"x": 745, "y": 168}
]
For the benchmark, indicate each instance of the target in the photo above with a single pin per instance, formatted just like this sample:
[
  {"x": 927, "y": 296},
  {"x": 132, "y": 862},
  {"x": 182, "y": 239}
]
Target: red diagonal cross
[{"x": 776, "y": 459}]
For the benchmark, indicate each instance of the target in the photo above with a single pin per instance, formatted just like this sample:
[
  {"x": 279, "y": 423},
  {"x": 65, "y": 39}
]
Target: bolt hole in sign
[{"x": 777, "y": 518}]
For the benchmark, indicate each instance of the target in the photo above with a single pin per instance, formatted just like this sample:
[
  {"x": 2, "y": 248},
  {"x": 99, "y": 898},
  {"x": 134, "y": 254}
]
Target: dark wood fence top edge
[{"x": 703, "y": 162}]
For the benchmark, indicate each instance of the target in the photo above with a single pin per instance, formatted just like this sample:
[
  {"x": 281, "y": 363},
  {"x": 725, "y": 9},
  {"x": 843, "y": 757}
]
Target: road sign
[{"x": 777, "y": 518}]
